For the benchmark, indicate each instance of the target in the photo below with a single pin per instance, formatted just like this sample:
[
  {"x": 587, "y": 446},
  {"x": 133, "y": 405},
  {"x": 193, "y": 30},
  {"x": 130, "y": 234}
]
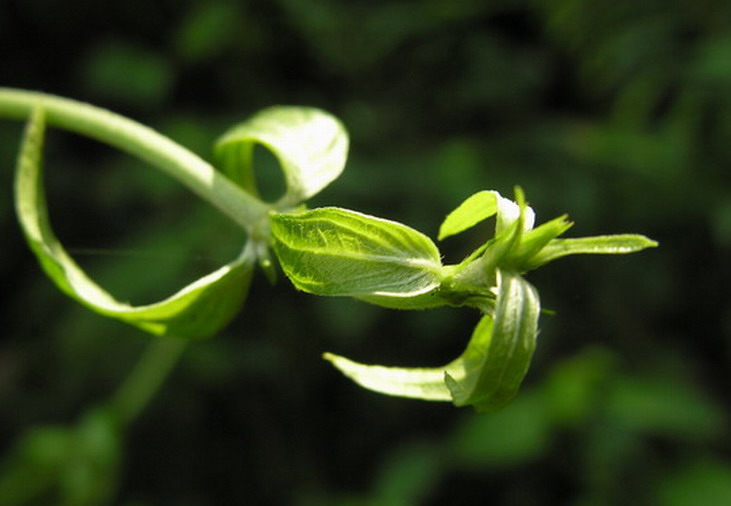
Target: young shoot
[{"x": 328, "y": 251}]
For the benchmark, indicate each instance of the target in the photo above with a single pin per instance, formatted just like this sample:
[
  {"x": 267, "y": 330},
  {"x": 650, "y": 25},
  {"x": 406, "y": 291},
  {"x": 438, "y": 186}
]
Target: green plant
[{"x": 325, "y": 251}]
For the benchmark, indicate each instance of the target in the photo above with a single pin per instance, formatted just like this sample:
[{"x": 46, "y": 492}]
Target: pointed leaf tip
[
  {"x": 620, "y": 244},
  {"x": 338, "y": 252}
]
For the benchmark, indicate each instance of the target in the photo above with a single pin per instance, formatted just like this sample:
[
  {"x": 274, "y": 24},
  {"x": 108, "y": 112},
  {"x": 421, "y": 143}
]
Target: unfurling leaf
[
  {"x": 310, "y": 144},
  {"x": 489, "y": 372},
  {"x": 197, "y": 311},
  {"x": 332, "y": 251}
]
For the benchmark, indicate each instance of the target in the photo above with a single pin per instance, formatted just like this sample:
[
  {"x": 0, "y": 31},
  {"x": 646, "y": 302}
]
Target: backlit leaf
[
  {"x": 479, "y": 207},
  {"x": 598, "y": 245},
  {"x": 473, "y": 210},
  {"x": 310, "y": 144},
  {"x": 332, "y": 251},
  {"x": 199, "y": 310},
  {"x": 488, "y": 373}
]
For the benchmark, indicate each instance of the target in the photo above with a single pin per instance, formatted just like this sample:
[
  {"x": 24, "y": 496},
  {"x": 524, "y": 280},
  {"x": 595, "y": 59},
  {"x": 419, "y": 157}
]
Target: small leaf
[
  {"x": 199, "y": 310},
  {"x": 473, "y": 210},
  {"x": 310, "y": 144},
  {"x": 479, "y": 207},
  {"x": 598, "y": 245},
  {"x": 488, "y": 373},
  {"x": 332, "y": 251}
]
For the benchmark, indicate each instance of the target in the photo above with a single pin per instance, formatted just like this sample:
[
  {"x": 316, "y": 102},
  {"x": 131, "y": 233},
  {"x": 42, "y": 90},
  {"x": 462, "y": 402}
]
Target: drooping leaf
[
  {"x": 488, "y": 373},
  {"x": 598, "y": 245},
  {"x": 503, "y": 365},
  {"x": 310, "y": 144},
  {"x": 332, "y": 251},
  {"x": 197, "y": 311}
]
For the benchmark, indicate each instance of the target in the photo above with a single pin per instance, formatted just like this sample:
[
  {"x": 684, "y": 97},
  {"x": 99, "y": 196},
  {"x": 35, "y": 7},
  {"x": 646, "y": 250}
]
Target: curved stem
[
  {"x": 140, "y": 141},
  {"x": 146, "y": 378}
]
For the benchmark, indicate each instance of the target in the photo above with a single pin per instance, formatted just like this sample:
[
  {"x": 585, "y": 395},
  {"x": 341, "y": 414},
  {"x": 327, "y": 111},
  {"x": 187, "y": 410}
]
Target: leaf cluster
[
  {"x": 337, "y": 252},
  {"x": 327, "y": 251}
]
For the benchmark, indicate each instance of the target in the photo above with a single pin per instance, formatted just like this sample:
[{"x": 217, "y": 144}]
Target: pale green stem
[
  {"x": 140, "y": 141},
  {"x": 146, "y": 378}
]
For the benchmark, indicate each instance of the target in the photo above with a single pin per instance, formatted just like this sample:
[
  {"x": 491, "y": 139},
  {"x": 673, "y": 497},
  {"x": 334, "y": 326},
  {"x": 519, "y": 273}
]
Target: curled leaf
[
  {"x": 496, "y": 369},
  {"x": 332, "y": 251},
  {"x": 310, "y": 144},
  {"x": 489, "y": 372},
  {"x": 197, "y": 311}
]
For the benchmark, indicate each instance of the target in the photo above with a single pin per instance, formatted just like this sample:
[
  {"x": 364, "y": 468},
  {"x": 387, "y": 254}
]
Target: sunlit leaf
[
  {"x": 199, "y": 310},
  {"x": 473, "y": 210},
  {"x": 480, "y": 206},
  {"x": 332, "y": 251},
  {"x": 310, "y": 144},
  {"x": 598, "y": 245},
  {"x": 488, "y": 373}
]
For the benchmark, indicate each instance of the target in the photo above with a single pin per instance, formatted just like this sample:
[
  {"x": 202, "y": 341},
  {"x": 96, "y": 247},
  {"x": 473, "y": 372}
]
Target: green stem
[
  {"x": 140, "y": 141},
  {"x": 146, "y": 378}
]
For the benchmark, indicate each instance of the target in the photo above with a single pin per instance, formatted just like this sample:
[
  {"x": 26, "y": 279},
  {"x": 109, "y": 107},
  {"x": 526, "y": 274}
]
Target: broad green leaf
[
  {"x": 489, "y": 371},
  {"x": 310, "y": 144},
  {"x": 197, "y": 311},
  {"x": 479, "y": 207},
  {"x": 598, "y": 245},
  {"x": 332, "y": 251}
]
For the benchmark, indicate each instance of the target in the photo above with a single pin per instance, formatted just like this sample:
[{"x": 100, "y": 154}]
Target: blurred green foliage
[{"x": 616, "y": 111}]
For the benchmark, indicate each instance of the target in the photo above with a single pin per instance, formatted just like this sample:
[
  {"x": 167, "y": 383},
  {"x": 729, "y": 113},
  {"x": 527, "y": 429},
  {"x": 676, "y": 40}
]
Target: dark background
[{"x": 615, "y": 111}]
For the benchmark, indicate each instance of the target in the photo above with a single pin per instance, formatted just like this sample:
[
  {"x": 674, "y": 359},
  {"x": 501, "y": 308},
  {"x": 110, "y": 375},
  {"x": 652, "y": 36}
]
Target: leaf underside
[
  {"x": 198, "y": 310},
  {"x": 332, "y": 251},
  {"x": 486, "y": 375},
  {"x": 310, "y": 144}
]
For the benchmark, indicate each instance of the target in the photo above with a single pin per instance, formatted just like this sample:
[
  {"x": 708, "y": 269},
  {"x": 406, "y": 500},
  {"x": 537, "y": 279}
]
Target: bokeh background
[{"x": 617, "y": 112}]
